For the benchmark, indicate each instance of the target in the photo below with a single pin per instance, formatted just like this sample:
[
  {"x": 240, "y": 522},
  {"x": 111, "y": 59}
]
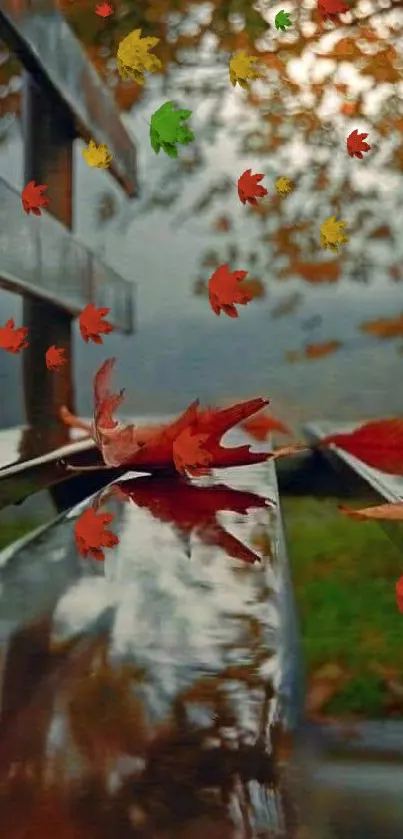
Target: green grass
[
  {"x": 344, "y": 575},
  {"x": 12, "y": 530}
]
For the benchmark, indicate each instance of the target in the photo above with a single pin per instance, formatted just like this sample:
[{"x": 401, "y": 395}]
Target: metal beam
[{"x": 47, "y": 48}]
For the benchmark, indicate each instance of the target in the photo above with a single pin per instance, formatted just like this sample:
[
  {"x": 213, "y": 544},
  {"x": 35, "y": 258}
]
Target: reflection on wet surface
[{"x": 154, "y": 692}]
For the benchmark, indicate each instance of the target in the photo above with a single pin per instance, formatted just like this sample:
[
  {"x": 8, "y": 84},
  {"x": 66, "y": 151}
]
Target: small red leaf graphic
[
  {"x": 91, "y": 534},
  {"x": 92, "y": 324},
  {"x": 12, "y": 339}
]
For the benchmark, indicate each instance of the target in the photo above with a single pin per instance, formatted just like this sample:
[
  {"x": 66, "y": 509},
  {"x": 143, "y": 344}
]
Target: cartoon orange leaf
[
  {"x": 54, "y": 357},
  {"x": 249, "y": 187},
  {"x": 378, "y": 443},
  {"x": 12, "y": 339},
  {"x": 92, "y": 324},
  {"x": 225, "y": 292},
  {"x": 32, "y": 198},
  {"x": 91, "y": 534}
]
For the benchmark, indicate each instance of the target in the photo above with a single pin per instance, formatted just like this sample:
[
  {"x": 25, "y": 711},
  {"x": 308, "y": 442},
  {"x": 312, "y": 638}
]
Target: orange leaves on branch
[
  {"x": 384, "y": 328},
  {"x": 225, "y": 292},
  {"x": 92, "y": 535},
  {"x": 92, "y": 324},
  {"x": 33, "y": 199},
  {"x": 249, "y": 188},
  {"x": 260, "y": 426},
  {"x": 378, "y": 443},
  {"x": 54, "y": 357},
  {"x": 12, "y": 339},
  {"x": 356, "y": 145}
]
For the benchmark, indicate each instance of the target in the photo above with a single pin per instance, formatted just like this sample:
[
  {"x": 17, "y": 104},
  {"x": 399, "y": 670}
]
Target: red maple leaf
[
  {"x": 32, "y": 198},
  {"x": 92, "y": 324},
  {"x": 104, "y": 10},
  {"x": 224, "y": 291},
  {"x": 331, "y": 9},
  {"x": 249, "y": 187},
  {"x": 92, "y": 535},
  {"x": 378, "y": 443},
  {"x": 12, "y": 339},
  {"x": 190, "y": 453},
  {"x": 356, "y": 145},
  {"x": 151, "y": 447},
  {"x": 263, "y": 424},
  {"x": 54, "y": 357},
  {"x": 193, "y": 509}
]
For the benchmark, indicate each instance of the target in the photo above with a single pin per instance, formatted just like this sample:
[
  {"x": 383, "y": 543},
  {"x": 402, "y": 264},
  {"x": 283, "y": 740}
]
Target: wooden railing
[{"x": 63, "y": 98}]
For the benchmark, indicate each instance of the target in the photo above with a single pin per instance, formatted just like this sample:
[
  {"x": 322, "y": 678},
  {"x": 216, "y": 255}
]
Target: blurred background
[{"x": 323, "y": 336}]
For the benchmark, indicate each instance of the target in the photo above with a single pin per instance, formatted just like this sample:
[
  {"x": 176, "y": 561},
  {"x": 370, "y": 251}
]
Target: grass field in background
[{"x": 344, "y": 574}]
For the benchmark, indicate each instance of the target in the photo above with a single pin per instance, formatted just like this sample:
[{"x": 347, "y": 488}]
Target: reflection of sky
[{"x": 181, "y": 350}]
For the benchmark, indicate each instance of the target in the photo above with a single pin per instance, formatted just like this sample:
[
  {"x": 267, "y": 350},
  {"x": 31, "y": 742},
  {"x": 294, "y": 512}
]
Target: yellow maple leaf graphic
[
  {"x": 133, "y": 58},
  {"x": 331, "y": 234},
  {"x": 241, "y": 69},
  {"x": 98, "y": 156},
  {"x": 283, "y": 185}
]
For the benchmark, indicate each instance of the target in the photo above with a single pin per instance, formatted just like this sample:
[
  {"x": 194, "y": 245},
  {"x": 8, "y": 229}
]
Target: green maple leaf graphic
[
  {"x": 166, "y": 129},
  {"x": 282, "y": 20}
]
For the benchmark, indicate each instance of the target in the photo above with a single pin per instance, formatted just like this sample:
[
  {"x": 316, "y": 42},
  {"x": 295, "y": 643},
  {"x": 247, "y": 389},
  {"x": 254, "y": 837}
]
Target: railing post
[{"x": 48, "y": 148}]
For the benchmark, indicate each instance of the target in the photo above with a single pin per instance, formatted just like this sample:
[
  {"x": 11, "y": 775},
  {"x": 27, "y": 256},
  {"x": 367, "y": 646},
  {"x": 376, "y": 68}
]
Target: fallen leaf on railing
[
  {"x": 151, "y": 447},
  {"x": 91, "y": 534},
  {"x": 92, "y": 324},
  {"x": 12, "y": 338},
  {"x": 378, "y": 443},
  {"x": 32, "y": 198},
  {"x": 225, "y": 292},
  {"x": 249, "y": 188},
  {"x": 54, "y": 357}
]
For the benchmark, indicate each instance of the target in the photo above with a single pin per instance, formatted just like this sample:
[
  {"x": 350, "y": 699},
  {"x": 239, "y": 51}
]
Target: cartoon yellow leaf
[
  {"x": 241, "y": 69},
  {"x": 283, "y": 185},
  {"x": 133, "y": 58},
  {"x": 331, "y": 234},
  {"x": 98, "y": 156}
]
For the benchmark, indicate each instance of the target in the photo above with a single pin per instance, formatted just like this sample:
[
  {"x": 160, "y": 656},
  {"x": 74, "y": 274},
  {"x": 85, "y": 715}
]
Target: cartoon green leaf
[
  {"x": 282, "y": 20},
  {"x": 166, "y": 129}
]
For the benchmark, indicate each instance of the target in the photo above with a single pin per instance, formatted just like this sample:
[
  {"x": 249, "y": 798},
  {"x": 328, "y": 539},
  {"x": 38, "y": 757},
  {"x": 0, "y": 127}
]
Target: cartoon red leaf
[
  {"x": 331, "y": 9},
  {"x": 189, "y": 452},
  {"x": 54, "y": 357},
  {"x": 249, "y": 188},
  {"x": 356, "y": 144},
  {"x": 399, "y": 594},
  {"x": 261, "y": 426},
  {"x": 32, "y": 198},
  {"x": 12, "y": 339},
  {"x": 151, "y": 447},
  {"x": 91, "y": 534},
  {"x": 92, "y": 324},
  {"x": 104, "y": 10},
  {"x": 378, "y": 443},
  {"x": 225, "y": 292}
]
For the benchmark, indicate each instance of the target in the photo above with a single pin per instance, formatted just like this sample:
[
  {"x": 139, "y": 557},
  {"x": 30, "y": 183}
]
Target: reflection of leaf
[
  {"x": 254, "y": 287},
  {"x": 314, "y": 272},
  {"x": 312, "y": 351},
  {"x": 222, "y": 224}
]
